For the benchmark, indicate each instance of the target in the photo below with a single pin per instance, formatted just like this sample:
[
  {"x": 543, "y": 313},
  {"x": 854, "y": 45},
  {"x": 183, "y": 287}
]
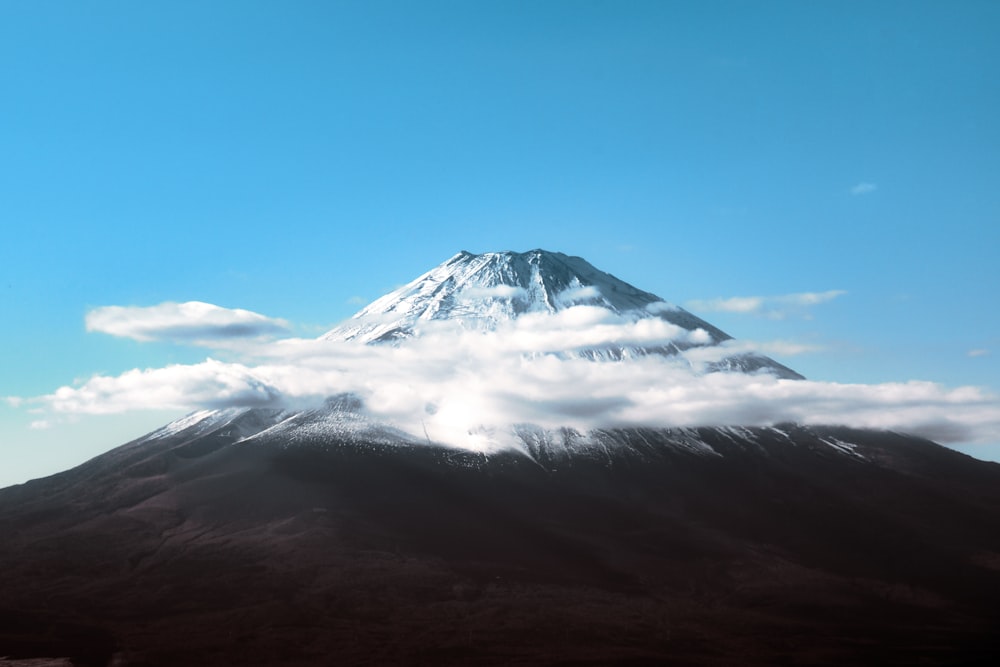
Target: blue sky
[{"x": 295, "y": 159}]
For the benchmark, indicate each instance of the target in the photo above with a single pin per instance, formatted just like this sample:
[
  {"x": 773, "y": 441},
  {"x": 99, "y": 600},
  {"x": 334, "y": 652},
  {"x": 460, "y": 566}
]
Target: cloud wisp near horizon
[
  {"x": 774, "y": 307},
  {"x": 864, "y": 188},
  {"x": 451, "y": 381}
]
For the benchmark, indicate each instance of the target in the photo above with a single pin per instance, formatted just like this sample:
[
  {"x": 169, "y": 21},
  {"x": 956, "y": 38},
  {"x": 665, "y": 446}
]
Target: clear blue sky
[{"x": 294, "y": 158}]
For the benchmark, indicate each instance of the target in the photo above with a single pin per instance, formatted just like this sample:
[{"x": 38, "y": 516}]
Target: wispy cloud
[
  {"x": 736, "y": 304},
  {"x": 980, "y": 352},
  {"x": 864, "y": 188},
  {"x": 450, "y": 382},
  {"x": 190, "y": 322},
  {"x": 782, "y": 348},
  {"x": 775, "y": 307},
  {"x": 495, "y": 292}
]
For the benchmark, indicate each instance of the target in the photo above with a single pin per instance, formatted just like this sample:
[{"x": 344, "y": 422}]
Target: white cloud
[
  {"x": 451, "y": 382},
  {"x": 736, "y": 304},
  {"x": 496, "y": 292},
  {"x": 731, "y": 348},
  {"x": 191, "y": 322},
  {"x": 978, "y": 353},
  {"x": 812, "y": 298},
  {"x": 775, "y": 307},
  {"x": 210, "y": 383},
  {"x": 864, "y": 189},
  {"x": 577, "y": 294},
  {"x": 658, "y": 307}
]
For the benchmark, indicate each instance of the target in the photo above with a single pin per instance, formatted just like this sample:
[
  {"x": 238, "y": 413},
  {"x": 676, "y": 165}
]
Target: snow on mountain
[
  {"x": 492, "y": 289},
  {"x": 483, "y": 290}
]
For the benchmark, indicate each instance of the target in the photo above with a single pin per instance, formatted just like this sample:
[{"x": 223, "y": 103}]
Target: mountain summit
[
  {"x": 484, "y": 290},
  {"x": 491, "y": 289}
]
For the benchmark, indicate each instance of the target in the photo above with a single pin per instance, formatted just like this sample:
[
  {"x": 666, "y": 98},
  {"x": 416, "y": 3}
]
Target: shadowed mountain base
[{"x": 783, "y": 550}]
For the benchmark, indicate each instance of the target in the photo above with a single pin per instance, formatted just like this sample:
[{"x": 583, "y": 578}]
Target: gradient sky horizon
[{"x": 301, "y": 159}]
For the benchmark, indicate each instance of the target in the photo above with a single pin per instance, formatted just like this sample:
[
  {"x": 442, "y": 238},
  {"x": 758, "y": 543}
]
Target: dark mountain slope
[{"x": 782, "y": 549}]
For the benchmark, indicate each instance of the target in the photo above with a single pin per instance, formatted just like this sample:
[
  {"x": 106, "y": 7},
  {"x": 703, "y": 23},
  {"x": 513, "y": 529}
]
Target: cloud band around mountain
[{"x": 451, "y": 382}]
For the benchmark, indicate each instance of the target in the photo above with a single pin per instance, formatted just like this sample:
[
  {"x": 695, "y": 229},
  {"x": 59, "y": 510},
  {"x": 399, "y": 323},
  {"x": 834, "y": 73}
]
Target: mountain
[{"x": 324, "y": 535}]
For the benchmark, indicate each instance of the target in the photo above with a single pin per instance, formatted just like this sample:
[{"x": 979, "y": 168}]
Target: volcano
[{"x": 328, "y": 534}]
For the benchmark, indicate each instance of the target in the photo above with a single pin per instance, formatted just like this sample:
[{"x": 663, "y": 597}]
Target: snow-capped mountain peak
[
  {"x": 483, "y": 290},
  {"x": 490, "y": 290}
]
